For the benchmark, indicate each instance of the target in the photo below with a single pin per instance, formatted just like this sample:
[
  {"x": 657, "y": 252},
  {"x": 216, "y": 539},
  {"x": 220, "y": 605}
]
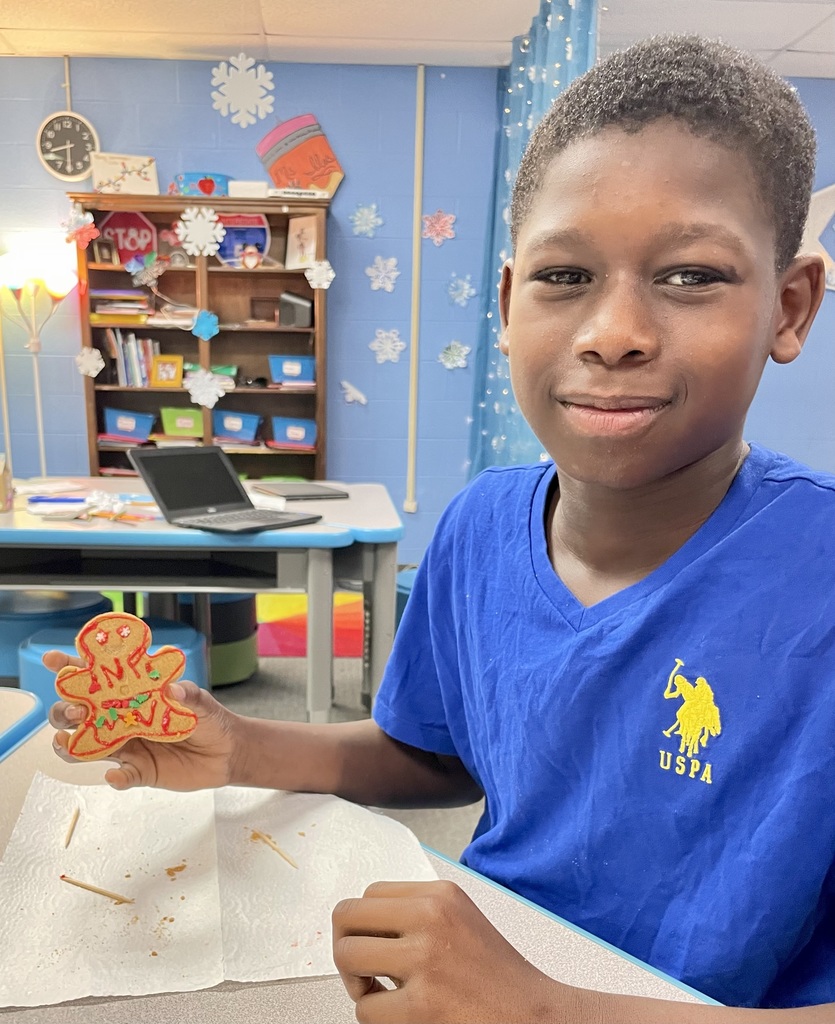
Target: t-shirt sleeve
[{"x": 421, "y": 683}]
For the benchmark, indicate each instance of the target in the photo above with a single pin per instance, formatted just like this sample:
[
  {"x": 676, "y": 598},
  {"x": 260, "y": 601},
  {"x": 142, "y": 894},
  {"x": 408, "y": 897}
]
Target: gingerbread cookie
[{"x": 122, "y": 686}]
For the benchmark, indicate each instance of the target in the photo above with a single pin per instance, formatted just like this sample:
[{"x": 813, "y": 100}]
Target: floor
[{"x": 277, "y": 690}]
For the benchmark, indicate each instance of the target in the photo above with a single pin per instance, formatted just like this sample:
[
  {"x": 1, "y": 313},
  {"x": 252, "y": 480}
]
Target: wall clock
[{"x": 65, "y": 143}]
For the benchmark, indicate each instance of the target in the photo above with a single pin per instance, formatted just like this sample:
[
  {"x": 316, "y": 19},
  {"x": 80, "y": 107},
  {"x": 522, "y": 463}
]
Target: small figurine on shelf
[{"x": 251, "y": 257}]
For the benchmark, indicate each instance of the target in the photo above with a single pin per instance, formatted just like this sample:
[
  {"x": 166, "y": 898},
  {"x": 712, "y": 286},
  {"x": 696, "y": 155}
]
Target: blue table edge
[{"x": 574, "y": 928}]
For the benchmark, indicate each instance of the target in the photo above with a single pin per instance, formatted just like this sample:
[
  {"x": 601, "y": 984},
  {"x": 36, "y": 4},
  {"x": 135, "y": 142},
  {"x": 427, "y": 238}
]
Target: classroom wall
[
  {"x": 794, "y": 410},
  {"x": 163, "y": 108}
]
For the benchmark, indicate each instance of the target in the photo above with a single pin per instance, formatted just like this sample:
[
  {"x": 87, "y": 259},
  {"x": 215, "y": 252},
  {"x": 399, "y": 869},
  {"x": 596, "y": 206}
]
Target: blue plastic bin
[
  {"x": 241, "y": 425},
  {"x": 294, "y": 433},
  {"x": 129, "y": 423},
  {"x": 295, "y": 369}
]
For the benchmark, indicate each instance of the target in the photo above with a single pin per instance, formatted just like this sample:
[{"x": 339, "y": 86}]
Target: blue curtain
[{"x": 560, "y": 46}]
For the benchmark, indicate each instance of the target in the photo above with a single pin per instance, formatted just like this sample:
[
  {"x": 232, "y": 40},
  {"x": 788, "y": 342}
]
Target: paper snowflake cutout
[
  {"x": 352, "y": 394},
  {"x": 200, "y": 231},
  {"x": 438, "y": 226},
  {"x": 387, "y": 346},
  {"x": 320, "y": 274},
  {"x": 383, "y": 273},
  {"x": 80, "y": 227},
  {"x": 205, "y": 325},
  {"x": 145, "y": 270},
  {"x": 366, "y": 220},
  {"x": 244, "y": 90},
  {"x": 454, "y": 356},
  {"x": 460, "y": 290},
  {"x": 205, "y": 388},
  {"x": 90, "y": 362}
]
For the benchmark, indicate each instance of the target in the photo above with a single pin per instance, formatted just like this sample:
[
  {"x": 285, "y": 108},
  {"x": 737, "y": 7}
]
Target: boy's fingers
[
  {"x": 59, "y": 744},
  {"x": 62, "y": 715},
  {"x": 56, "y": 660}
]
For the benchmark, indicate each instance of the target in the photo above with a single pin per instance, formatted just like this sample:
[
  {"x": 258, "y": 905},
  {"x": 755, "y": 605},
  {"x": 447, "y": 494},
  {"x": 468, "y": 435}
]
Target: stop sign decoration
[{"x": 131, "y": 233}]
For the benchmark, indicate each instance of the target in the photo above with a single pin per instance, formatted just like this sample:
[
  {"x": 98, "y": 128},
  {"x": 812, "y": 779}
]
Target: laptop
[
  {"x": 199, "y": 488},
  {"x": 296, "y": 490}
]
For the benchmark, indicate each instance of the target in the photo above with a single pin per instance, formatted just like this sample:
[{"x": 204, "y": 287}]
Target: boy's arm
[
  {"x": 354, "y": 760},
  {"x": 451, "y": 966}
]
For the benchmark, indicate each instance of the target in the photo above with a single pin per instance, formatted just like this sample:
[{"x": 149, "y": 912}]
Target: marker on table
[{"x": 42, "y": 500}]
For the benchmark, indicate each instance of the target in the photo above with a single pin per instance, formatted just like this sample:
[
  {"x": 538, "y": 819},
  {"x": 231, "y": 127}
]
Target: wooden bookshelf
[{"x": 206, "y": 283}]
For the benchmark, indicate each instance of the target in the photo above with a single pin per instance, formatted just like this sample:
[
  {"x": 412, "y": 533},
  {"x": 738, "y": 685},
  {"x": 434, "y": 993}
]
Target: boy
[{"x": 628, "y": 655}]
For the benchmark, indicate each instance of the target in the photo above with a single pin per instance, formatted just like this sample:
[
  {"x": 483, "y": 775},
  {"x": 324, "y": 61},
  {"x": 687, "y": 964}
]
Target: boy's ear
[
  {"x": 505, "y": 285},
  {"x": 801, "y": 292}
]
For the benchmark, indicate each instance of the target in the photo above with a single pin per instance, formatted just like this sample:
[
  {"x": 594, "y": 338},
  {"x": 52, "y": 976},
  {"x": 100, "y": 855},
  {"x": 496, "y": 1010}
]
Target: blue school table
[
  {"x": 552, "y": 945},
  {"x": 356, "y": 539}
]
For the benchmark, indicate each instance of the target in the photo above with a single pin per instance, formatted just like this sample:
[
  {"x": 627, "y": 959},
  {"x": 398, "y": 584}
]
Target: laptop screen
[{"x": 191, "y": 478}]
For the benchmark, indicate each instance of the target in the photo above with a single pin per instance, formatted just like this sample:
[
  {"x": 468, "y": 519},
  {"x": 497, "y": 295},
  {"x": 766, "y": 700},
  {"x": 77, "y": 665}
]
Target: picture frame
[
  {"x": 167, "y": 371},
  {"x": 104, "y": 251},
  {"x": 301, "y": 243}
]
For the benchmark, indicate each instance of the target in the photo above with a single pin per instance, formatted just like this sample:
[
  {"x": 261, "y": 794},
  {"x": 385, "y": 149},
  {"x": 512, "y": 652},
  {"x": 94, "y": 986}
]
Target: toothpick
[
  {"x": 94, "y": 888},
  {"x": 276, "y": 847},
  {"x": 71, "y": 829}
]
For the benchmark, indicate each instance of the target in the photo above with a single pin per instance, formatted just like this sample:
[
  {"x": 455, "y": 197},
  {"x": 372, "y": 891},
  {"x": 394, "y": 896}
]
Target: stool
[
  {"x": 233, "y": 655},
  {"x": 25, "y": 714},
  {"x": 36, "y": 678},
  {"x": 24, "y": 612}
]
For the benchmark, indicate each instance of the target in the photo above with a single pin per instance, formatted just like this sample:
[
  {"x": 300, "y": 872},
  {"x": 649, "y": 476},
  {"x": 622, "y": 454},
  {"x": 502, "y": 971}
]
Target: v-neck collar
[{"x": 580, "y": 617}]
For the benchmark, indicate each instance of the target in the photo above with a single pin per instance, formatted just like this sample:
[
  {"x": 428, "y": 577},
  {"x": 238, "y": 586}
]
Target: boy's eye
[
  {"x": 692, "y": 278},
  {"x": 565, "y": 276}
]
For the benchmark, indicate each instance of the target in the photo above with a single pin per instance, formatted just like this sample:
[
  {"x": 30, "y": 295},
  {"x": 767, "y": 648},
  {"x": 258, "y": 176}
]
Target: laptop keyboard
[{"x": 254, "y": 515}]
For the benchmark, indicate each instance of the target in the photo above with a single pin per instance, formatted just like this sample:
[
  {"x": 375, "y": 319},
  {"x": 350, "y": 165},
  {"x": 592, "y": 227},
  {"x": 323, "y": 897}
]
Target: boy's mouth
[{"x": 612, "y": 414}]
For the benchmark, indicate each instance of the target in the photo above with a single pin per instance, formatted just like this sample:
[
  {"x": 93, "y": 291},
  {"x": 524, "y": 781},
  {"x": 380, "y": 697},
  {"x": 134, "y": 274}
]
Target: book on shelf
[
  {"x": 175, "y": 441},
  {"x": 116, "y": 471},
  {"x": 290, "y": 444},
  {"x": 123, "y": 319},
  {"x": 133, "y": 356}
]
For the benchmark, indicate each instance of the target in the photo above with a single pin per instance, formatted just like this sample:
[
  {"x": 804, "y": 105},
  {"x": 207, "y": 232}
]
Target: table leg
[
  {"x": 383, "y": 608},
  {"x": 319, "y": 633},
  {"x": 203, "y": 624}
]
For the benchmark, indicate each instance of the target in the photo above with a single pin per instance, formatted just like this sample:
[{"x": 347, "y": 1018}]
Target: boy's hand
[
  {"x": 202, "y": 761},
  {"x": 448, "y": 963}
]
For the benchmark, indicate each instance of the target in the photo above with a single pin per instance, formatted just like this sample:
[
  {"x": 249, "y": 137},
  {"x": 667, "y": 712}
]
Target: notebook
[
  {"x": 198, "y": 487},
  {"x": 299, "y": 490}
]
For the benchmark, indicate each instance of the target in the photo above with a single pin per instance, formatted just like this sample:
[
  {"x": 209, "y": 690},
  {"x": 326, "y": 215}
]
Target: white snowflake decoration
[
  {"x": 352, "y": 394},
  {"x": 383, "y": 273},
  {"x": 244, "y": 89},
  {"x": 454, "y": 356},
  {"x": 205, "y": 388},
  {"x": 387, "y": 346},
  {"x": 200, "y": 231},
  {"x": 90, "y": 362},
  {"x": 320, "y": 274},
  {"x": 366, "y": 220},
  {"x": 460, "y": 290}
]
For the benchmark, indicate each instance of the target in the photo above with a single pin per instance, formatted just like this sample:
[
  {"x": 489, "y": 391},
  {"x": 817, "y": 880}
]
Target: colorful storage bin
[
  {"x": 182, "y": 422},
  {"x": 293, "y": 433},
  {"x": 201, "y": 183},
  {"x": 240, "y": 425},
  {"x": 127, "y": 423},
  {"x": 292, "y": 369}
]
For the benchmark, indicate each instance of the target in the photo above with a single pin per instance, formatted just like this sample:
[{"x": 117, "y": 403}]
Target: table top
[
  {"x": 367, "y": 516},
  {"x": 553, "y": 946}
]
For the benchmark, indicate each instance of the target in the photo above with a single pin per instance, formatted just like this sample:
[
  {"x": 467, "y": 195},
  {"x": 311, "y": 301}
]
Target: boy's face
[{"x": 642, "y": 304}]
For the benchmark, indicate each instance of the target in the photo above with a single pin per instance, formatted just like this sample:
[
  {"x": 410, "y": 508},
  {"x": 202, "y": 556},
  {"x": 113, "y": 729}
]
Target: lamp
[{"x": 30, "y": 278}]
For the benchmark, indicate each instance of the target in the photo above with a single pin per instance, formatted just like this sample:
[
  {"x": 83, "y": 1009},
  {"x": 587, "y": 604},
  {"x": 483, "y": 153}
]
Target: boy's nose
[{"x": 618, "y": 328}]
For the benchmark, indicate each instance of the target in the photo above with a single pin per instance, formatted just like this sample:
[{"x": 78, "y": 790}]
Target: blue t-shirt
[{"x": 659, "y": 768}]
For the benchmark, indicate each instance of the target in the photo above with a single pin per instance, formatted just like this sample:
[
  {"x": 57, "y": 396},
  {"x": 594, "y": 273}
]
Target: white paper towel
[{"x": 213, "y": 900}]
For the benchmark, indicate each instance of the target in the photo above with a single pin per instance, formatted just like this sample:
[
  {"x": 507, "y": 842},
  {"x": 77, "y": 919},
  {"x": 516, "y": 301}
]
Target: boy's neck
[{"x": 601, "y": 541}]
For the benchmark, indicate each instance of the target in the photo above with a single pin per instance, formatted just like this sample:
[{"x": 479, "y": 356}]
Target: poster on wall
[{"x": 120, "y": 173}]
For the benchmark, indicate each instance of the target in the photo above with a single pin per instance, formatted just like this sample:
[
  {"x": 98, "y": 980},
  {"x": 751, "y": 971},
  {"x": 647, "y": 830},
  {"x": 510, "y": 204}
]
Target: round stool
[
  {"x": 234, "y": 652},
  {"x": 36, "y": 678},
  {"x": 24, "y": 612}
]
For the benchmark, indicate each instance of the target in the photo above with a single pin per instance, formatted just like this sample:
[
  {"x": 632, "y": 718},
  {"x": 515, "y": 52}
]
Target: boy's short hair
[{"x": 716, "y": 91}]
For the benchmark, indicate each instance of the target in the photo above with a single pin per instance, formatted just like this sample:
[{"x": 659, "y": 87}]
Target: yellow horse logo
[{"x": 698, "y": 716}]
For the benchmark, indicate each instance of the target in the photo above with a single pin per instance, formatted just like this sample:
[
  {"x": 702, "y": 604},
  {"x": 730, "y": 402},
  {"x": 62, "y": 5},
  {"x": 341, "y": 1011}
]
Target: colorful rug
[{"x": 282, "y": 625}]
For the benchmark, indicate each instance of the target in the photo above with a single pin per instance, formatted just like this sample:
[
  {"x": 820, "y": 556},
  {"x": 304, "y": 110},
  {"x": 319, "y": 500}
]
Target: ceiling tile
[
  {"x": 820, "y": 40},
  {"x": 214, "y": 17},
  {"x": 799, "y": 64},
  {"x": 495, "y": 53},
  {"x": 740, "y": 22},
  {"x": 159, "y": 45},
  {"x": 357, "y": 20}
]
